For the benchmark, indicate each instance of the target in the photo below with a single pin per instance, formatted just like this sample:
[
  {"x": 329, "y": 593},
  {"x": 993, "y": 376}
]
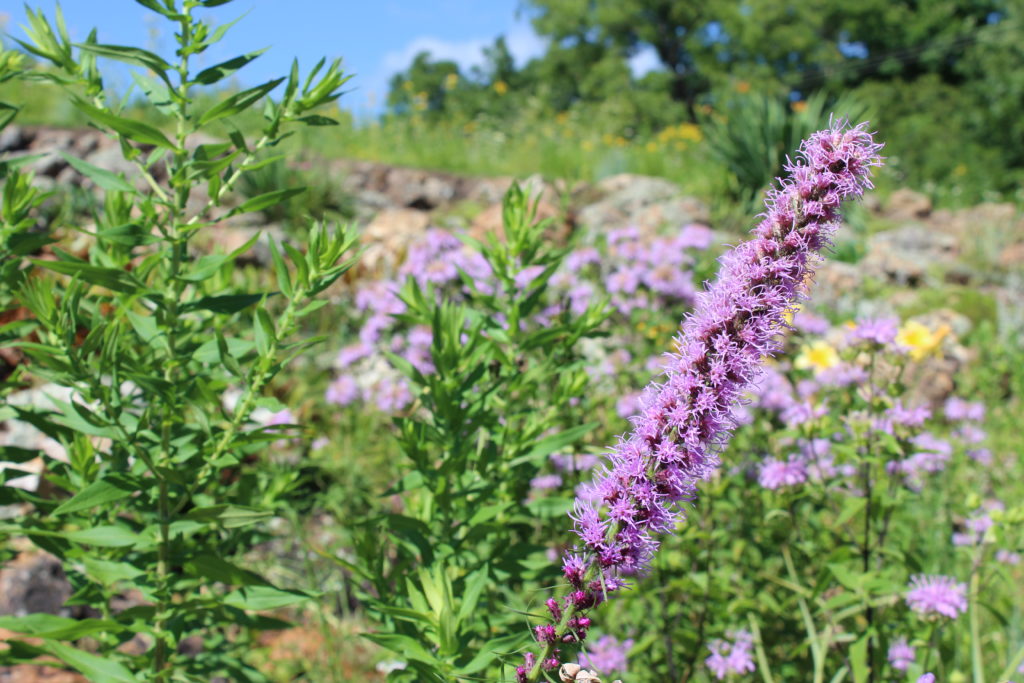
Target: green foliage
[
  {"x": 753, "y": 135},
  {"x": 497, "y": 405},
  {"x": 145, "y": 337}
]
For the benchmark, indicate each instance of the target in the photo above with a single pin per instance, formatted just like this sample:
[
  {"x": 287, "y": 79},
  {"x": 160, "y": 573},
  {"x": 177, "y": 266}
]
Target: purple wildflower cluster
[
  {"x": 634, "y": 270},
  {"x": 607, "y": 654},
  {"x": 733, "y": 656},
  {"x": 639, "y": 271},
  {"x": 686, "y": 420}
]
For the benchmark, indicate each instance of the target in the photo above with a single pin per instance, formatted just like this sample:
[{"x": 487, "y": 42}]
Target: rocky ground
[{"x": 904, "y": 248}]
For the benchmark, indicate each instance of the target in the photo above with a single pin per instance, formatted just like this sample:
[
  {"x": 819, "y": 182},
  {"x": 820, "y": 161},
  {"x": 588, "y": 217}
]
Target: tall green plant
[
  {"x": 146, "y": 336},
  {"x": 442, "y": 572}
]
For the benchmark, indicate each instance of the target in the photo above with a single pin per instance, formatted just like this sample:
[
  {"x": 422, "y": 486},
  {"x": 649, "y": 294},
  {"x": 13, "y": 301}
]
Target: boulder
[
  {"x": 906, "y": 205},
  {"x": 907, "y": 254},
  {"x": 647, "y": 202},
  {"x": 489, "y": 221},
  {"x": 33, "y": 582},
  {"x": 388, "y": 237}
]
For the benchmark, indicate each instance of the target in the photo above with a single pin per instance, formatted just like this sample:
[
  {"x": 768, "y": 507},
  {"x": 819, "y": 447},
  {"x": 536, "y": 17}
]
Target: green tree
[{"x": 424, "y": 85}]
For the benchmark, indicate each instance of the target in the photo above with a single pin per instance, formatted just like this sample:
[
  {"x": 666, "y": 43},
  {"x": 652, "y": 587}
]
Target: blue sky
[{"x": 376, "y": 38}]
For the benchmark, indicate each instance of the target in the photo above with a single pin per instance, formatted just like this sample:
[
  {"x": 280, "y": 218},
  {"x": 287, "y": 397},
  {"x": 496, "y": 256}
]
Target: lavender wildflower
[
  {"x": 342, "y": 391},
  {"x": 880, "y": 331},
  {"x": 574, "y": 463},
  {"x": 901, "y": 655},
  {"x": 392, "y": 395},
  {"x": 1008, "y": 557},
  {"x": 937, "y": 596},
  {"x": 958, "y": 410},
  {"x": 731, "y": 657},
  {"x": 686, "y": 420},
  {"x": 546, "y": 482},
  {"x": 926, "y": 678},
  {"x": 607, "y": 654},
  {"x": 775, "y": 474}
]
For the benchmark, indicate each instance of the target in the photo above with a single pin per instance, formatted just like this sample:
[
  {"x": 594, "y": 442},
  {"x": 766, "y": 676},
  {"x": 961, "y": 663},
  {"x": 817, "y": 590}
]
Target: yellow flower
[
  {"x": 450, "y": 81},
  {"x": 651, "y": 146},
  {"x": 587, "y": 145},
  {"x": 689, "y": 131},
  {"x": 500, "y": 87},
  {"x": 818, "y": 355},
  {"x": 742, "y": 87},
  {"x": 920, "y": 340}
]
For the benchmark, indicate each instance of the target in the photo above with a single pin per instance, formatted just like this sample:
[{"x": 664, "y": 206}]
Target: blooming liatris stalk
[{"x": 686, "y": 419}]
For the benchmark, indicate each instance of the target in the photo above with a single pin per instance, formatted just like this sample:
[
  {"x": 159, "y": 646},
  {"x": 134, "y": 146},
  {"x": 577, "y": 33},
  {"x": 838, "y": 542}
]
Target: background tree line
[{"x": 932, "y": 73}]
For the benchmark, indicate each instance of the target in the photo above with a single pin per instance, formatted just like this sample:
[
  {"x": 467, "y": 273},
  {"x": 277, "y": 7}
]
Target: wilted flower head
[{"x": 937, "y": 596}]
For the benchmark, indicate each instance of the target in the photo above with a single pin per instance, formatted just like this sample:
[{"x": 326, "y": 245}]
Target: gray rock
[
  {"x": 14, "y": 139},
  {"x": 33, "y": 583},
  {"x": 643, "y": 201},
  {"x": 907, "y": 254},
  {"x": 905, "y": 205}
]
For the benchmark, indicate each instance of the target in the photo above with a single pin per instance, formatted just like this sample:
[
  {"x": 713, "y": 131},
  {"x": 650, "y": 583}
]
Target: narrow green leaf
[
  {"x": 93, "y": 667},
  {"x": 103, "y": 178},
  {"x": 403, "y": 645},
  {"x": 57, "y": 628},
  {"x": 221, "y": 71},
  {"x": 111, "y": 278},
  {"x": 265, "y": 334},
  {"x": 238, "y": 102},
  {"x": 228, "y": 303},
  {"x": 260, "y": 202},
  {"x": 108, "y": 536},
  {"x": 114, "y": 486},
  {"x": 133, "y": 130},
  {"x": 217, "y": 569},
  {"x": 260, "y": 598},
  {"x": 549, "y": 445}
]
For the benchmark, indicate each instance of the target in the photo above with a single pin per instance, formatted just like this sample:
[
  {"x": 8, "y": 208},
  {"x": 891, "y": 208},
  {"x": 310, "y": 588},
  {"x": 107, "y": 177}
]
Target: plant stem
[
  {"x": 977, "y": 668},
  {"x": 171, "y": 412}
]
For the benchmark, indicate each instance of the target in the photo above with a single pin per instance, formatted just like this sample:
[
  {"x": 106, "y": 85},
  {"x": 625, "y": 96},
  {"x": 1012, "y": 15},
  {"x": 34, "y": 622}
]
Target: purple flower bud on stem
[{"x": 686, "y": 420}]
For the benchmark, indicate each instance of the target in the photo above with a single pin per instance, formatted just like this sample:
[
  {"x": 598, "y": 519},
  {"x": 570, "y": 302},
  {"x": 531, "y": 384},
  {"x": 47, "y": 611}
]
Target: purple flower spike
[{"x": 686, "y": 418}]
